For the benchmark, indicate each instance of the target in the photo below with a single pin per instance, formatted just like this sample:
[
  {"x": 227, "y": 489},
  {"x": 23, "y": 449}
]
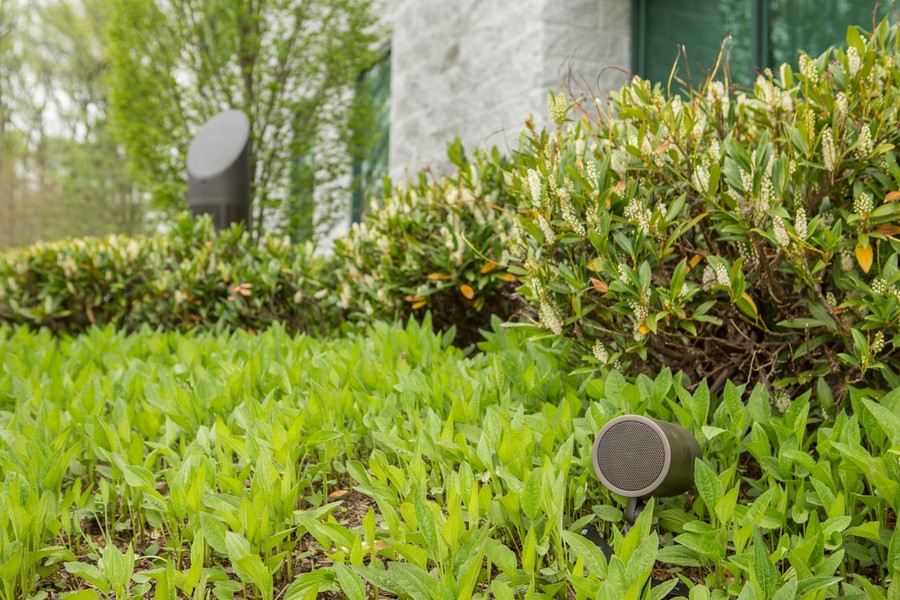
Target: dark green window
[
  {"x": 765, "y": 33},
  {"x": 371, "y": 133}
]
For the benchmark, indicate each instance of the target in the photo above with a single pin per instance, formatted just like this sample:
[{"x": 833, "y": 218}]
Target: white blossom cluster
[
  {"x": 842, "y": 104},
  {"x": 636, "y": 213},
  {"x": 534, "y": 186},
  {"x": 800, "y": 223},
  {"x": 568, "y": 213},
  {"x": 699, "y": 127},
  {"x": 547, "y": 230},
  {"x": 600, "y": 352},
  {"x": 558, "y": 106},
  {"x": 781, "y": 234},
  {"x": 808, "y": 69},
  {"x": 709, "y": 278},
  {"x": 773, "y": 97},
  {"x": 718, "y": 96},
  {"x": 881, "y": 287},
  {"x": 549, "y": 314},
  {"x": 591, "y": 171},
  {"x": 810, "y": 118},
  {"x": 863, "y": 206},
  {"x": 701, "y": 178},
  {"x": 877, "y": 344},
  {"x": 864, "y": 146},
  {"x": 829, "y": 152},
  {"x": 781, "y": 399},
  {"x": 854, "y": 61},
  {"x": 722, "y": 277},
  {"x": 847, "y": 262},
  {"x": 550, "y": 318}
]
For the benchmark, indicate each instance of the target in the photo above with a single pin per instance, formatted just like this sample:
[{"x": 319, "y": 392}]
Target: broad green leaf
[
  {"x": 252, "y": 568},
  {"x": 114, "y": 566},
  {"x": 788, "y": 590},
  {"x": 426, "y": 520},
  {"x": 89, "y": 573},
  {"x": 350, "y": 582},
  {"x": 764, "y": 576},
  {"x": 708, "y": 484},
  {"x": 80, "y": 595},
  {"x": 700, "y": 408},
  {"x": 593, "y": 557},
  {"x": 501, "y": 556},
  {"x": 381, "y": 579},
  {"x": 214, "y": 532},
  {"x": 530, "y": 497}
]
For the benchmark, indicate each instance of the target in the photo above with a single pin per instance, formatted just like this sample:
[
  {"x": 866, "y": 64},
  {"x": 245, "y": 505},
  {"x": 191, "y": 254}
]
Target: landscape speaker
[
  {"x": 218, "y": 167},
  {"x": 639, "y": 457}
]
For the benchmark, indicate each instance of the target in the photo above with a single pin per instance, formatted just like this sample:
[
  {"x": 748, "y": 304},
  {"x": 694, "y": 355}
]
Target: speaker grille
[{"x": 631, "y": 455}]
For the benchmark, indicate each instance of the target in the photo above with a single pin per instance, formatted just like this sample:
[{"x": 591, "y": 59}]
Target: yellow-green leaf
[{"x": 864, "y": 257}]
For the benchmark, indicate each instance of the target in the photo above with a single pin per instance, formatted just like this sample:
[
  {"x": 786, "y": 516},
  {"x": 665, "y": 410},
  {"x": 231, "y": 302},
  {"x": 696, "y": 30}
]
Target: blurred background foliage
[{"x": 99, "y": 99}]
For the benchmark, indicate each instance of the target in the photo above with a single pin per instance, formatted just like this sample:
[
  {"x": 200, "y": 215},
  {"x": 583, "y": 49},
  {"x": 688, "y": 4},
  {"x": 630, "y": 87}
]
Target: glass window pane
[
  {"x": 371, "y": 147},
  {"x": 700, "y": 26},
  {"x": 814, "y": 25}
]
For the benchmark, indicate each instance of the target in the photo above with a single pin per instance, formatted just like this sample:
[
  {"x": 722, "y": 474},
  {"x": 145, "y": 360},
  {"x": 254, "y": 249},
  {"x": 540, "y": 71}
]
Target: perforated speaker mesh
[{"x": 631, "y": 455}]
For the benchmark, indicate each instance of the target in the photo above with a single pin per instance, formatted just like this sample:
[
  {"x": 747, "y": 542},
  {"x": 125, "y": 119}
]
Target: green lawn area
[{"x": 275, "y": 466}]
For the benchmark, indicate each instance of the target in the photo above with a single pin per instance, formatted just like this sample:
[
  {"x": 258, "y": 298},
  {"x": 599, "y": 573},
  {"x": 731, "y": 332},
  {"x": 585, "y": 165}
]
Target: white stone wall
[{"x": 479, "y": 68}]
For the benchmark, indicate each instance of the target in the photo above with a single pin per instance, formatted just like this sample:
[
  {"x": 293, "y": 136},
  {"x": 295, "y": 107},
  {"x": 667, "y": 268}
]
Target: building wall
[{"x": 479, "y": 68}]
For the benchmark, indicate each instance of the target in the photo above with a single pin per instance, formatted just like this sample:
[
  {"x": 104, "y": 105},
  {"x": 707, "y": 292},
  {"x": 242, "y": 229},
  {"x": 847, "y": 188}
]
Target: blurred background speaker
[{"x": 218, "y": 166}]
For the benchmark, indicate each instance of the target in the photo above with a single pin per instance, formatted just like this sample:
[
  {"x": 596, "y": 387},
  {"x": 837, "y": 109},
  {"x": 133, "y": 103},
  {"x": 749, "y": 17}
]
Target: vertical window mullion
[
  {"x": 639, "y": 37},
  {"x": 761, "y": 46}
]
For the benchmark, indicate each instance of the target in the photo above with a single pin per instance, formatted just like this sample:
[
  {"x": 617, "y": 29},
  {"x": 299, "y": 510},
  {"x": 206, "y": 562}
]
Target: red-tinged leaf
[
  {"x": 620, "y": 187},
  {"x": 888, "y": 229},
  {"x": 438, "y": 277},
  {"x": 892, "y": 197},
  {"x": 467, "y": 291}
]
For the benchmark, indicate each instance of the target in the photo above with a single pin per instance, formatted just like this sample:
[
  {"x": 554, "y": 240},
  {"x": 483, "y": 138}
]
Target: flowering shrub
[
  {"x": 186, "y": 279},
  {"x": 438, "y": 246},
  {"x": 737, "y": 235}
]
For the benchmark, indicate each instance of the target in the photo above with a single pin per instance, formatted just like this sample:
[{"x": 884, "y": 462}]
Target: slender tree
[{"x": 291, "y": 65}]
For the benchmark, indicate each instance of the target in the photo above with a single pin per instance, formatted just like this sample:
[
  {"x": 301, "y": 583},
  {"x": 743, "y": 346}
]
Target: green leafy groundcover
[{"x": 172, "y": 465}]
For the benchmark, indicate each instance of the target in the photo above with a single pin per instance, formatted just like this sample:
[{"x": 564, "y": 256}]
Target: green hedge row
[
  {"x": 439, "y": 246},
  {"x": 185, "y": 279}
]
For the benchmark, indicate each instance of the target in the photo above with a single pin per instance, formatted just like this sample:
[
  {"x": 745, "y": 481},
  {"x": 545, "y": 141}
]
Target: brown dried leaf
[
  {"x": 888, "y": 229},
  {"x": 599, "y": 285}
]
